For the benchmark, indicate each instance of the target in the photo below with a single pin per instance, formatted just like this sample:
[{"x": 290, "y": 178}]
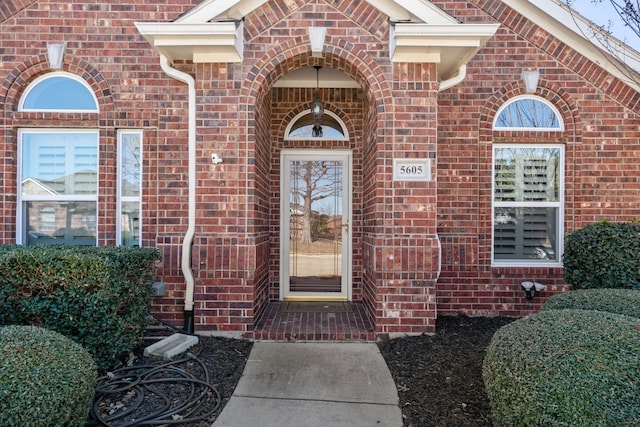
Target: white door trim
[{"x": 285, "y": 227}]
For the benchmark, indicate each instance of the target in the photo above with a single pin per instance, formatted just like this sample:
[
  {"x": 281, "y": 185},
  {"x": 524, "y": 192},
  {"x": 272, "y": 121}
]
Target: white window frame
[
  {"x": 559, "y": 205},
  {"x": 21, "y": 199},
  {"x": 71, "y": 76},
  {"x": 518, "y": 98},
  {"x": 287, "y": 131},
  {"x": 120, "y": 197}
]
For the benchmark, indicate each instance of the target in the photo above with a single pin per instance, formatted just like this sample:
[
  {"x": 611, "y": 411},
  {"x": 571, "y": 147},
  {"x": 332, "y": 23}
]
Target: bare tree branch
[{"x": 624, "y": 58}]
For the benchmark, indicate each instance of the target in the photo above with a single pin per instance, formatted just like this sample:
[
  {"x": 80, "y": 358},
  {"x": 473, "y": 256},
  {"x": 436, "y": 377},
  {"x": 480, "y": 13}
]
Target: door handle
[{"x": 346, "y": 227}]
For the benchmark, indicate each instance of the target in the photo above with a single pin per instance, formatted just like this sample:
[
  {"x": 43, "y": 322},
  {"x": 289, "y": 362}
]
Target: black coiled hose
[{"x": 166, "y": 394}]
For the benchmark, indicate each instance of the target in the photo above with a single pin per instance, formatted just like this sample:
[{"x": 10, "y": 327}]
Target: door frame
[{"x": 346, "y": 156}]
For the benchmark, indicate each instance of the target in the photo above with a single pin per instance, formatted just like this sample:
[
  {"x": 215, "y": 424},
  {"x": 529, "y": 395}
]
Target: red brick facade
[{"x": 403, "y": 232}]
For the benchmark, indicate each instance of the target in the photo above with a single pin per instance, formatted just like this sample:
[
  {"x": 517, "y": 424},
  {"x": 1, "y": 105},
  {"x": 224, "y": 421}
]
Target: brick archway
[{"x": 374, "y": 101}]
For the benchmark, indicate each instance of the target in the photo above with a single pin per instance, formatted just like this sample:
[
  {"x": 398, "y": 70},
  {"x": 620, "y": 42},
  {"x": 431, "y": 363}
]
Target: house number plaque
[{"x": 411, "y": 170}]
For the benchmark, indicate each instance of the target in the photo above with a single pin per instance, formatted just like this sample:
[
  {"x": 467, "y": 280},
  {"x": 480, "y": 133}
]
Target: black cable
[
  {"x": 119, "y": 396},
  {"x": 167, "y": 325}
]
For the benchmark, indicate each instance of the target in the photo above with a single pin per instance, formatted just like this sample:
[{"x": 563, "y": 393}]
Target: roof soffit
[{"x": 422, "y": 32}]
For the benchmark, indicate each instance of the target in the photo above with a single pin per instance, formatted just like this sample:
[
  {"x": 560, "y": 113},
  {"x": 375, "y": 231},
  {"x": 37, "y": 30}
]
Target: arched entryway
[{"x": 351, "y": 101}]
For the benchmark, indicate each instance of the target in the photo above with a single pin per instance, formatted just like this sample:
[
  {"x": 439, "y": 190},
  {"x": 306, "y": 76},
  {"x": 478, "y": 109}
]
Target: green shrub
[
  {"x": 45, "y": 378},
  {"x": 620, "y": 301},
  {"x": 97, "y": 296},
  {"x": 603, "y": 255},
  {"x": 565, "y": 368}
]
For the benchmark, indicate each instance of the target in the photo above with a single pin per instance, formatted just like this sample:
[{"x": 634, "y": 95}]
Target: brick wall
[
  {"x": 600, "y": 138},
  {"x": 398, "y": 113}
]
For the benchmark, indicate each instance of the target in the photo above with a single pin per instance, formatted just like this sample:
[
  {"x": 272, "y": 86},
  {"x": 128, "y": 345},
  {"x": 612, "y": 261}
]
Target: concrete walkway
[{"x": 313, "y": 384}]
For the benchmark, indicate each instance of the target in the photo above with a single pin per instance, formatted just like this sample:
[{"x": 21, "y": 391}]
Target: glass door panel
[{"x": 316, "y": 210}]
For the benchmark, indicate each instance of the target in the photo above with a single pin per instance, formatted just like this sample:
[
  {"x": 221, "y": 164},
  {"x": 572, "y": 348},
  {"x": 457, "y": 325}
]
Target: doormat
[{"x": 316, "y": 307}]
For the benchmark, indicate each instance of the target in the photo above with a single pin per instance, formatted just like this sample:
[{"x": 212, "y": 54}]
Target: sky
[{"x": 602, "y": 13}]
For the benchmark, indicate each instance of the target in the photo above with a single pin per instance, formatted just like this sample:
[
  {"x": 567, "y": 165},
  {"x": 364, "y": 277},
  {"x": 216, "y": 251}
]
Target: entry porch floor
[{"x": 277, "y": 324}]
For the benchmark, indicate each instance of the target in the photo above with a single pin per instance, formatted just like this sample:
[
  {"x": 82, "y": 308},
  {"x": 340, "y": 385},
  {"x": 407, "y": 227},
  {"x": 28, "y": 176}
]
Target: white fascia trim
[
  {"x": 394, "y": 11},
  {"x": 175, "y": 29},
  {"x": 242, "y": 9},
  {"x": 206, "y": 11},
  {"x": 397, "y": 10},
  {"x": 453, "y": 45},
  {"x": 209, "y": 42},
  {"x": 457, "y": 32},
  {"x": 221, "y": 10},
  {"x": 571, "y": 28},
  {"x": 423, "y": 9}
]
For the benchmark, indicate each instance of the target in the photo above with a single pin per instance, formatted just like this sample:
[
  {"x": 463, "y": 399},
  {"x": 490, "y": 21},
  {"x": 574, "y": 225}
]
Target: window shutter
[
  {"x": 85, "y": 165},
  {"x": 537, "y": 225},
  {"x": 538, "y": 179},
  {"x": 525, "y": 192},
  {"x": 505, "y": 181},
  {"x": 505, "y": 238}
]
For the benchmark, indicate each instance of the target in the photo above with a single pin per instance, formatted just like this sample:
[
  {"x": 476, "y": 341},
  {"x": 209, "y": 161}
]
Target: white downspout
[
  {"x": 446, "y": 84},
  {"x": 191, "y": 228}
]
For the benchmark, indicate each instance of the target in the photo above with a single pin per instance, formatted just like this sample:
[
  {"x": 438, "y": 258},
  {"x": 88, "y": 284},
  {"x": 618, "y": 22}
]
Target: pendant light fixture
[{"x": 317, "y": 109}]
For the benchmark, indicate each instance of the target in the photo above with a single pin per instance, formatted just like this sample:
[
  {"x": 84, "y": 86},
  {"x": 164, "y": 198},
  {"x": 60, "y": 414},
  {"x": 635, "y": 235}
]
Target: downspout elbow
[
  {"x": 459, "y": 77},
  {"x": 187, "y": 242}
]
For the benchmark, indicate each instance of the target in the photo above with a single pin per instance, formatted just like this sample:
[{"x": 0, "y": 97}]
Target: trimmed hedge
[
  {"x": 45, "y": 378},
  {"x": 97, "y": 296},
  {"x": 620, "y": 301},
  {"x": 603, "y": 255},
  {"x": 565, "y": 368}
]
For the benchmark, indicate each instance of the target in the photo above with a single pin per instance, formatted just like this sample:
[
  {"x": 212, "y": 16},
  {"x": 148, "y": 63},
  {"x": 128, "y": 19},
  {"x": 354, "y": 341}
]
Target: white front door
[{"x": 315, "y": 225}]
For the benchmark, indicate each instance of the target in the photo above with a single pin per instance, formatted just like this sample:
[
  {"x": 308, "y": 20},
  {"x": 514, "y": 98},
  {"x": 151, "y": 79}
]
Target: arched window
[
  {"x": 528, "y": 113},
  {"x": 301, "y": 127},
  {"x": 528, "y": 187},
  {"x": 63, "y": 92},
  {"x": 58, "y": 167}
]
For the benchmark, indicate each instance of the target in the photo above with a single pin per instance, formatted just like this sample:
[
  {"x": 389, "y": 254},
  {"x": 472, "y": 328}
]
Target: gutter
[
  {"x": 446, "y": 84},
  {"x": 187, "y": 242}
]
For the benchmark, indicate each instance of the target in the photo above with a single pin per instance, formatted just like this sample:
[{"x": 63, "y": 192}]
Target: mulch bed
[{"x": 439, "y": 377}]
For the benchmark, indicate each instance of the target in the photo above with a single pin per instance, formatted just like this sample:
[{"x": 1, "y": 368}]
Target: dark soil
[{"x": 439, "y": 379}]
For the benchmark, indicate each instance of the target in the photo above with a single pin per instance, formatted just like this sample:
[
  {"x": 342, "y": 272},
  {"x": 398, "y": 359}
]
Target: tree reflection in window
[{"x": 528, "y": 112}]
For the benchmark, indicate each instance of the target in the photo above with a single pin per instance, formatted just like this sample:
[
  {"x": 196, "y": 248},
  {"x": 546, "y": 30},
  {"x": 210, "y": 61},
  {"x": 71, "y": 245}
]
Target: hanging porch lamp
[{"x": 317, "y": 109}]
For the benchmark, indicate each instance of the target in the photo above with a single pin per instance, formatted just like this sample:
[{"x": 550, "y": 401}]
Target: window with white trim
[
  {"x": 128, "y": 227},
  {"x": 527, "y": 208},
  {"x": 301, "y": 127},
  {"x": 57, "y": 168},
  {"x": 59, "y": 91},
  {"x": 58, "y": 186},
  {"x": 528, "y": 112}
]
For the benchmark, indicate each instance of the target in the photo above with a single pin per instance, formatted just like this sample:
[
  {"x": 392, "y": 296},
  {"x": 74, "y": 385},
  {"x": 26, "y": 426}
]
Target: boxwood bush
[
  {"x": 97, "y": 296},
  {"x": 603, "y": 255},
  {"x": 565, "y": 368},
  {"x": 620, "y": 301},
  {"x": 46, "y": 379}
]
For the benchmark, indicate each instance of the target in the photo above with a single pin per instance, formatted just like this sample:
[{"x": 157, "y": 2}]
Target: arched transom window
[
  {"x": 528, "y": 186},
  {"x": 528, "y": 113},
  {"x": 301, "y": 127},
  {"x": 63, "y": 92}
]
